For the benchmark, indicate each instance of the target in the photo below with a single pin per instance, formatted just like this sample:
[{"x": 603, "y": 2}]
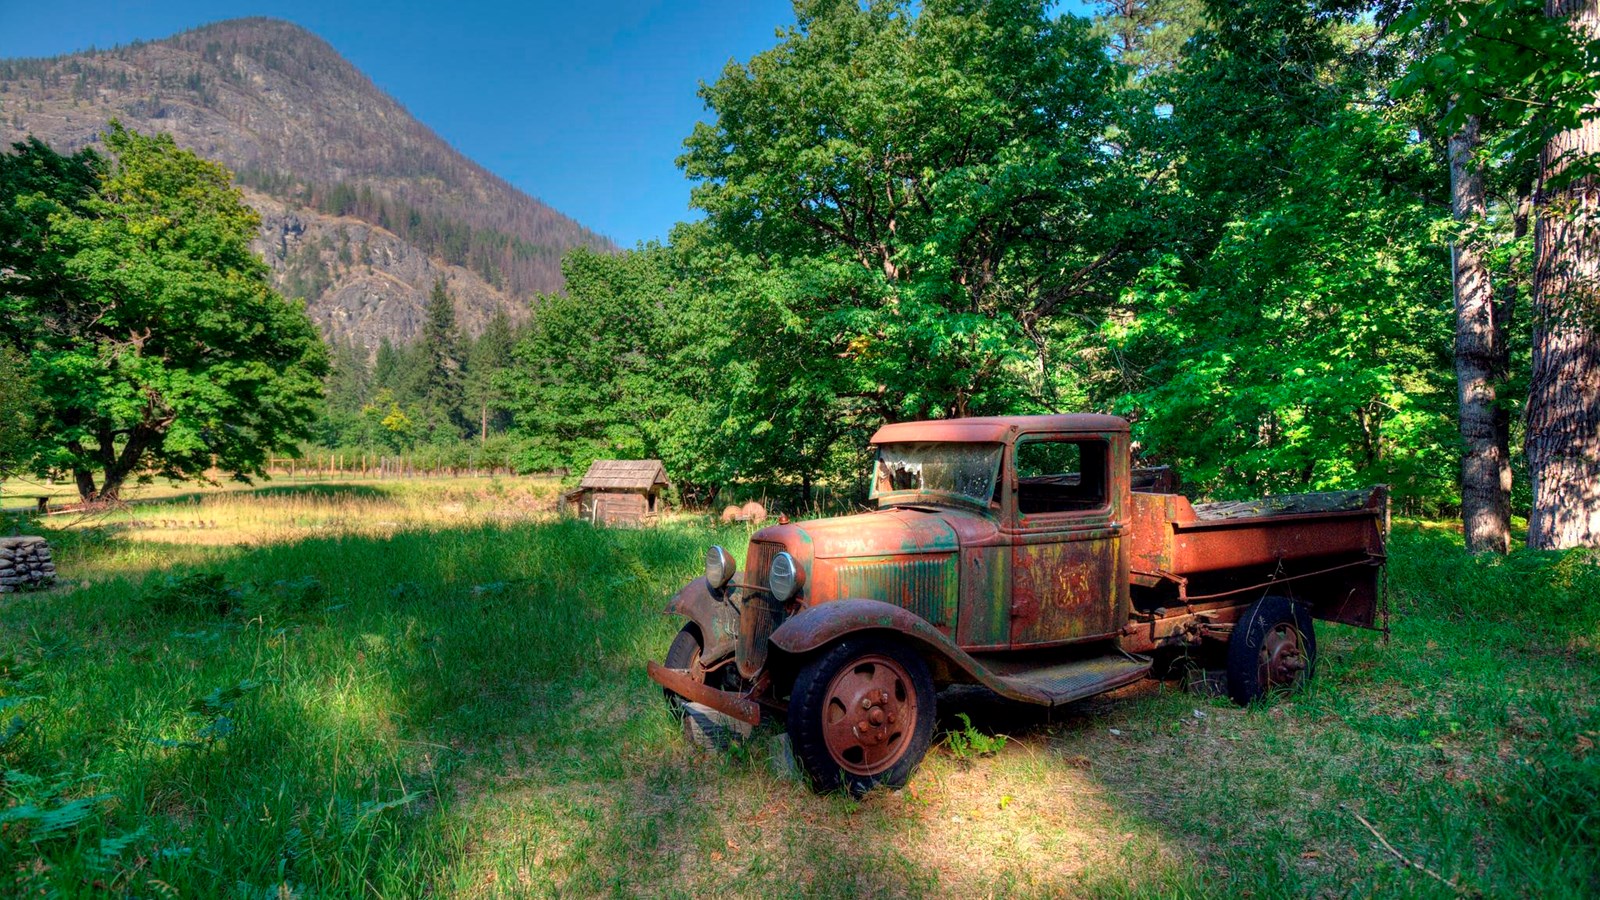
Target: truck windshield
[{"x": 962, "y": 471}]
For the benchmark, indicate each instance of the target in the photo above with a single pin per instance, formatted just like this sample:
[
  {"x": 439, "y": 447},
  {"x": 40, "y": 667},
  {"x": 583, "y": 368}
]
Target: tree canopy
[{"x": 156, "y": 343}]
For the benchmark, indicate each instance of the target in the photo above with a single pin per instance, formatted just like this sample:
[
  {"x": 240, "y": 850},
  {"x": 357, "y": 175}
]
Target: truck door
[{"x": 1067, "y": 568}]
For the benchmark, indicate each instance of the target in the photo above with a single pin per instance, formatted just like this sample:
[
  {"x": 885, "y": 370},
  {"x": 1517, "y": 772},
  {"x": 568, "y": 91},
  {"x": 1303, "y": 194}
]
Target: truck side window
[{"x": 1061, "y": 476}]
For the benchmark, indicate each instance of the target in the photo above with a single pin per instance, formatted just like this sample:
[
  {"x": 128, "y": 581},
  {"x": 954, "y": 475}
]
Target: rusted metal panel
[
  {"x": 1150, "y": 520},
  {"x": 1076, "y": 679},
  {"x": 817, "y": 625},
  {"x": 878, "y": 533},
  {"x": 1069, "y": 573},
  {"x": 1065, "y": 587},
  {"x": 992, "y": 429},
  {"x": 1168, "y": 537},
  {"x": 1258, "y": 542},
  {"x": 717, "y": 619},
  {"x": 985, "y": 618},
  {"x": 1351, "y": 598}
]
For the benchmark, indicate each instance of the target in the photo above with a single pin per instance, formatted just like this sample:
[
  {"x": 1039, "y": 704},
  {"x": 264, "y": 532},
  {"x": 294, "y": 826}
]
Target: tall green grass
[
  {"x": 292, "y": 715},
  {"x": 460, "y": 710}
]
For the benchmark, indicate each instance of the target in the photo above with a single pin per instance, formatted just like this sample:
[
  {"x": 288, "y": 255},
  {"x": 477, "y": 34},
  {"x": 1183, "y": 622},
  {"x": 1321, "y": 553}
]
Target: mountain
[{"x": 362, "y": 206}]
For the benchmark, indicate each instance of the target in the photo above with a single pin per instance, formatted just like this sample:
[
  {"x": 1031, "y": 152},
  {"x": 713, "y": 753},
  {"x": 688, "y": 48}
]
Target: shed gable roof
[{"x": 624, "y": 474}]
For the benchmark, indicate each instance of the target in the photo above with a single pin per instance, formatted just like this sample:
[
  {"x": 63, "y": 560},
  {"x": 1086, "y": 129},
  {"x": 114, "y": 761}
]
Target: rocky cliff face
[
  {"x": 362, "y": 207},
  {"x": 362, "y": 282}
]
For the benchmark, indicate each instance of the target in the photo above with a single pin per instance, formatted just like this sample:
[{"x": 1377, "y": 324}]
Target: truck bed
[
  {"x": 1172, "y": 536},
  {"x": 1214, "y": 550}
]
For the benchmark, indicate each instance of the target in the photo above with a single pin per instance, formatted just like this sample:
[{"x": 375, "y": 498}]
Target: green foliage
[
  {"x": 209, "y": 594},
  {"x": 592, "y": 378},
  {"x": 967, "y": 743},
  {"x": 1235, "y": 238},
  {"x": 1293, "y": 334},
  {"x": 200, "y": 593},
  {"x": 155, "y": 341},
  {"x": 16, "y": 411},
  {"x": 484, "y": 399},
  {"x": 1524, "y": 75},
  {"x": 440, "y": 392},
  {"x": 907, "y": 208},
  {"x": 1148, "y": 36},
  {"x": 437, "y": 372},
  {"x": 912, "y": 192}
]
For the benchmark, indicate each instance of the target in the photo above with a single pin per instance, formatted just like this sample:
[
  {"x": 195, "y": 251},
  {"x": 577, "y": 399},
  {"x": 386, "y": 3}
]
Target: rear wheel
[
  {"x": 861, "y": 715},
  {"x": 1273, "y": 649}
]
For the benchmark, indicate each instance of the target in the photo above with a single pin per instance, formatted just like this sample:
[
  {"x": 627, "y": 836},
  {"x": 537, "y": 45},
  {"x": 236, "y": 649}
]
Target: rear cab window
[{"x": 1062, "y": 476}]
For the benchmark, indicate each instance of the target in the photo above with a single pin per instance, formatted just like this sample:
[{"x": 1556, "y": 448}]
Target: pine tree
[
  {"x": 439, "y": 371},
  {"x": 386, "y": 367},
  {"x": 489, "y": 357}
]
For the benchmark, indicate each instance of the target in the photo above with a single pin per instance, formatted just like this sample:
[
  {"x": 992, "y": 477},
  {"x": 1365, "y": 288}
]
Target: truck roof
[{"x": 997, "y": 429}]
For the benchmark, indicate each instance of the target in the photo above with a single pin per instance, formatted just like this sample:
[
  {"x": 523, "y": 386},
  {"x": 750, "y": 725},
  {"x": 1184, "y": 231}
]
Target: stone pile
[{"x": 25, "y": 564}]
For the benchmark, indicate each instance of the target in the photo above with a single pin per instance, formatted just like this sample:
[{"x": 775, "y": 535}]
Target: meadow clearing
[{"x": 435, "y": 688}]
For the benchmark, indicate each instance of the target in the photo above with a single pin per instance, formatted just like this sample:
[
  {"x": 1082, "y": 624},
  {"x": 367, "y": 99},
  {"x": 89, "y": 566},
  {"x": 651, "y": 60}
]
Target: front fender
[
  {"x": 817, "y": 626},
  {"x": 716, "y": 618},
  {"x": 825, "y": 623}
]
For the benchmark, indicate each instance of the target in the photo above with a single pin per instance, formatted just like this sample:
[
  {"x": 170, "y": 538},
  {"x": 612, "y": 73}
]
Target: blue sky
[{"x": 583, "y": 105}]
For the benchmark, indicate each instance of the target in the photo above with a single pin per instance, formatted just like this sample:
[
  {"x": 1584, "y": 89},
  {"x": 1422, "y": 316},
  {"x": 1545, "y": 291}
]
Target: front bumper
[{"x": 728, "y": 703}]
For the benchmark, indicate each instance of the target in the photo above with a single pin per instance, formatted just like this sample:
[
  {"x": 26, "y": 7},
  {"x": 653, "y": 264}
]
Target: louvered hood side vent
[{"x": 926, "y": 586}]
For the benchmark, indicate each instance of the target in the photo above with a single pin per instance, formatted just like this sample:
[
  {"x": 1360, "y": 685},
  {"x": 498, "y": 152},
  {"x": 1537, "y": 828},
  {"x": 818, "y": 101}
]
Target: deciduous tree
[
  {"x": 1564, "y": 397},
  {"x": 161, "y": 349}
]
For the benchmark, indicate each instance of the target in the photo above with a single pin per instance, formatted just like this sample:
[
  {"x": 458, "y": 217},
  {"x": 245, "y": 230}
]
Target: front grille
[
  {"x": 758, "y": 564},
  {"x": 926, "y": 587}
]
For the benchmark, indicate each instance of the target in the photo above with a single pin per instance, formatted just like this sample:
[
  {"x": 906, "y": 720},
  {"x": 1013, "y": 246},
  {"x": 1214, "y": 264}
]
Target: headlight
[
  {"x": 719, "y": 567},
  {"x": 784, "y": 580}
]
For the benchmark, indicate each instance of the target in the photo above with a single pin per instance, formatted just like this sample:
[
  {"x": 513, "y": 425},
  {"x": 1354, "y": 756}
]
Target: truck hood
[{"x": 885, "y": 532}]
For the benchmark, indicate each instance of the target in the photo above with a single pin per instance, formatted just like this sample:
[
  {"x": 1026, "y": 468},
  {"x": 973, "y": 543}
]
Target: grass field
[{"x": 435, "y": 689}]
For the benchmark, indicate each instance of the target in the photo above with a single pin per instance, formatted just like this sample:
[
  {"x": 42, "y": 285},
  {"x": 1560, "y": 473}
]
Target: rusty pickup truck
[{"x": 1019, "y": 553}]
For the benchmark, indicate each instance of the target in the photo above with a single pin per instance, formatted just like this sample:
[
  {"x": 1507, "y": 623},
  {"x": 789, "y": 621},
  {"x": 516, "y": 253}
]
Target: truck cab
[{"x": 1011, "y": 552}]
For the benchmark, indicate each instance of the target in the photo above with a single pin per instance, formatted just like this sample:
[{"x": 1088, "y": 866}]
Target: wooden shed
[{"x": 619, "y": 492}]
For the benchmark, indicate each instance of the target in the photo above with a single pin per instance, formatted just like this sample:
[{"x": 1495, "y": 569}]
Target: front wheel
[
  {"x": 861, "y": 715},
  {"x": 684, "y": 653},
  {"x": 1273, "y": 649}
]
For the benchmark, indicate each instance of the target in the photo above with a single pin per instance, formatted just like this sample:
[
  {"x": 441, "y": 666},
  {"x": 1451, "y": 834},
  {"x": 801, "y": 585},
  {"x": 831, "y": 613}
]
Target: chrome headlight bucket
[
  {"x": 785, "y": 577},
  {"x": 719, "y": 567}
]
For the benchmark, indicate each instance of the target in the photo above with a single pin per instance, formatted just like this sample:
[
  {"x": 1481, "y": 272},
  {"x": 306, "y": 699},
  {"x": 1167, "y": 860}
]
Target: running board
[{"x": 1066, "y": 682}]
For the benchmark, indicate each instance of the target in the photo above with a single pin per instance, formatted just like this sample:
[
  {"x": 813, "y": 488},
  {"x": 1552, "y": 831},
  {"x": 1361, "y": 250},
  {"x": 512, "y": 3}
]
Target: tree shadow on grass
[{"x": 496, "y": 673}]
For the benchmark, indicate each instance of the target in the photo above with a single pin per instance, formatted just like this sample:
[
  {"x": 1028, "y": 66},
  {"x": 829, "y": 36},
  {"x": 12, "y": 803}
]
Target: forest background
[{"x": 1293, "y": 242}]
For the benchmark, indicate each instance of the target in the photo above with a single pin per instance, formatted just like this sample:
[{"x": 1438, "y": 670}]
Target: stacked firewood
[{"x": 25, "y": 564}]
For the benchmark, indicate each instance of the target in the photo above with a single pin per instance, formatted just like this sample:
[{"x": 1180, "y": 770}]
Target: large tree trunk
[
  {"x": 85, "y": 481},
  {"x": 1480, "y": 345},
  {"x": 1564, "y": 396}
]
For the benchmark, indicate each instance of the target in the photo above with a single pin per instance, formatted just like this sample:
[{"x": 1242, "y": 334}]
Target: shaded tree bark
[
  {"x": 1480, "y": 350},
  {"x": 1564, "y": 394}
]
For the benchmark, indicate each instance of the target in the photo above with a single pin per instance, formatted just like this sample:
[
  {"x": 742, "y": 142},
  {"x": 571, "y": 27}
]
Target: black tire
[
  {"x": 868, "y": 684},
  {"x": 1273, "y": 649},
  {"x": 683, "y": 653}
]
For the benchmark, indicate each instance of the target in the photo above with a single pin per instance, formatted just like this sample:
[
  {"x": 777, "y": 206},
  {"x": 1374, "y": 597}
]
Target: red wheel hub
[
  {"x": 1282, "y": 660},
  {"x": 870, "y": 715}
]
